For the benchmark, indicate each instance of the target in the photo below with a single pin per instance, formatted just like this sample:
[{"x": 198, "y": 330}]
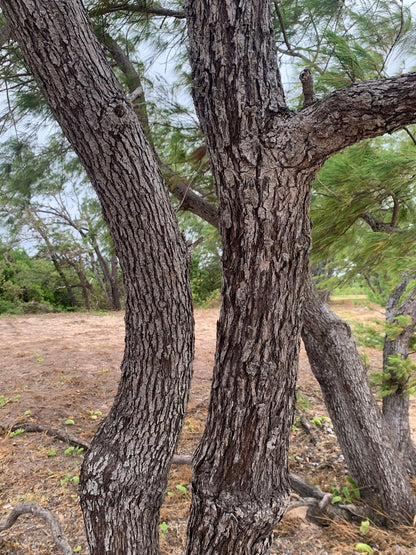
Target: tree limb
[
  {"x": 52, "y": 432},
  {"x": 189, "y": 200},
  {"x": 5, "y": 33},
  {"x": 361, "y": 111},
  {"x": 137, "y": 7},
  {"x": 307, "y": 87},
  {"x": 378, "y": 225},
  {"x": 44, "y": 514}
]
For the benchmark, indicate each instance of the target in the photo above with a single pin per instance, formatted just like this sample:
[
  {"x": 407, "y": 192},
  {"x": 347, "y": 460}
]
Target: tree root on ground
[
  {"x": 320, "y": 509},
  {"x": 44, "y": 514}
]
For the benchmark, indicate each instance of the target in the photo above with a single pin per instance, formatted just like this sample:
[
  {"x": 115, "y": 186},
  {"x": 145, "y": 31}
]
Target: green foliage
[
  {"x": 396, "y": 377},
  {"x": 346, "y": 494},
  {"x": 74, "y": 451},
  {"x": 28, "y": 284},
  {"x": 18, "y": 432},
  {"x": 205, "y": 267},
  {"x": 364, "y": 527},
  {"x": 367, "y": 335},
  {"x": 363, "y": 548},
  {"x": 318, "y": 420}
]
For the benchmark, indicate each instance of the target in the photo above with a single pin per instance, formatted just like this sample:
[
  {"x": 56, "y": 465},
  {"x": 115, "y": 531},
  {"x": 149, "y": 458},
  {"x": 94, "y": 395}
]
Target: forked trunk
[
  {"x": 124, "y": 475},
  {"x": 362, "y": 432}
]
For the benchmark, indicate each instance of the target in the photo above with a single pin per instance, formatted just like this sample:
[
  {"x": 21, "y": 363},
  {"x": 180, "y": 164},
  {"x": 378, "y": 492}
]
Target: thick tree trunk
[
  {"x": 396, "y": 404},
  {"x": 363, "y": 434},
  {"x": 241, "y": 486},
  {"x": 240, "y": 483},
  {"x": 124, "y": 475}
]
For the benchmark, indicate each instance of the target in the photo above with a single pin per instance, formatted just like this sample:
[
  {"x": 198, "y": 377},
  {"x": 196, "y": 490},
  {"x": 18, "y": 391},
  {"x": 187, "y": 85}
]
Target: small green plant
[
  {"x": 68, "y": 479},
  {"x": 364, "y": 527},
  {"x": 397, "y": 376},
  {"x": 38, "y": 357},
  {"x": 17, "y": 432},
  {"x": 74, "y": 451},
  {"x": 181, "y": 488},
  {"x": 77, "y": 549},
  {"x": 69, "y": 422},
  {"x": 51, "y": 454},
  {"x": 363, "y": 548},
  {"x": 347, "y": 494},
  {"x": 27, "y": 412},
  {"x": 368, "y": 336},
  {"x": 163, "y": 527},
  {"x": 94, "y": 414},
  {"x": 318, "y": 420},
  {"x": 398, "y": 326},
  {"x": 103, "y": 371},
  {"x": 4, "y": 400}
]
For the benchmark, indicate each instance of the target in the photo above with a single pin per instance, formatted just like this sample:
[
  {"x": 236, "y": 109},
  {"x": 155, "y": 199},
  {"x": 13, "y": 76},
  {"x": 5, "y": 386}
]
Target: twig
[
  {"x": 52, "y": 432},
  {"x": 44, "y": 514}
]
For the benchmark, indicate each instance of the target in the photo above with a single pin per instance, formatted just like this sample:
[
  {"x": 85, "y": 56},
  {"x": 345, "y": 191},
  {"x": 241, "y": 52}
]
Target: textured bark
[
  {"x": 124, "y": 475},
  {"x": 240, "y": 484},
  {"x": 362, "y": 433},
  {"x": 396, "y": 405},
  {"x": 263, "y": 159}
]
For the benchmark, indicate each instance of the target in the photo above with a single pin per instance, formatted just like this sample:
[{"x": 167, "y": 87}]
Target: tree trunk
[
  {"x": 124, "y": 475},
  {"x": 362, "y": 433},
  {"x": 240, "y": 482},
  {"x": 396, "y": 404},
  {"x": 85, "y": 286},
  {"x": 240, "y": 486},
  {"x": 115, "y": 287}
]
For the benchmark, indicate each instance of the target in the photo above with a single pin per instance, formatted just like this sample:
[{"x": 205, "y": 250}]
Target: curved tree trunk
[
  {"x": 396, "y": 404},
  {"x": 124, "y": 475},
  {"x": 362, "y": 433}
]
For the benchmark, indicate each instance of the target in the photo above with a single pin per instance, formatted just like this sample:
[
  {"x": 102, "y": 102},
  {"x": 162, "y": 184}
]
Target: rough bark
[
  {"x": 240, "y": 483},
  {"x": 362, "y": 433},
  {"x": 263, "y": 159},
  {"x": 396, "y": 405},
  {"x": 124, "y": 476}
]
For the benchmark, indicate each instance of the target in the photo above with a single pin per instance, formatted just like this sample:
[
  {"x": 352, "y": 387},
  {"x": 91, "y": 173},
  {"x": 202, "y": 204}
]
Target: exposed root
[
  {"x": 52, "y": 432},
  {"x": 320, "y": 509},
  {"x": 44, "y": 514}
]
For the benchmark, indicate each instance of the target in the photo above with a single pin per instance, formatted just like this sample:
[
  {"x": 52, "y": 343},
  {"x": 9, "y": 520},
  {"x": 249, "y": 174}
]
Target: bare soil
[{"x": 62, "y": 370}]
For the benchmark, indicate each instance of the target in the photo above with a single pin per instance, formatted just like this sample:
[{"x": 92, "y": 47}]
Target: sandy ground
[{"x": 61, "y": 370}]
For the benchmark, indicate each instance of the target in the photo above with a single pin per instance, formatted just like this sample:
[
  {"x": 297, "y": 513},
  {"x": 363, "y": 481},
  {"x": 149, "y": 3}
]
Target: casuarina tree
[{"x": 264, "y": 158}]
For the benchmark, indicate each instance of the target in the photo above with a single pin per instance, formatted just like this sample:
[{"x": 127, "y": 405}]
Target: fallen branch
[
  {"x": 320, "y": 508},
  {"x": 44, "y": 514},
  {"x": 52, "y": 432}
]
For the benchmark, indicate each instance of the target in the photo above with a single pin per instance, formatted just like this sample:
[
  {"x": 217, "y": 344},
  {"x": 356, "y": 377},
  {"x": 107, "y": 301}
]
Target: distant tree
[{"x": 371, "y": 187}]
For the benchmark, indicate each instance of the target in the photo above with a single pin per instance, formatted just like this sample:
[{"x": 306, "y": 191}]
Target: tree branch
[
  {"x": 52, "y": 432},
  {"x": 44, "y": 514},
  {"x": 361, "y": 111},
  {"x": 5, "y": 33},
  {"x": 307, "y": 87},
  {"x": 378, "y": 225},
  {"x": 189, "y": 200},
  {"x": 138, "y": 7}
]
